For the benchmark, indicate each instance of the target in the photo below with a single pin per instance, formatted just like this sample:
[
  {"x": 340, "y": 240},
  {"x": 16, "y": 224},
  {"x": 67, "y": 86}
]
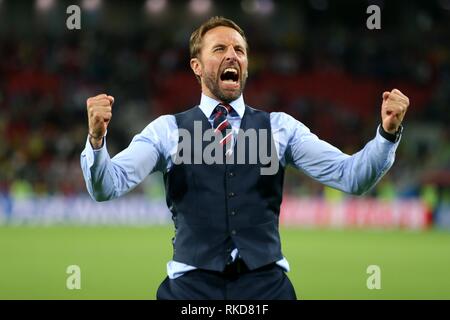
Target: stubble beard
[{"x": 212, "y": 83}]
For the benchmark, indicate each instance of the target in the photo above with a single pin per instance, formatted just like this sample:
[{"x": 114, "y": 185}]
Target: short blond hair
[{"x": 195, "y": 42}]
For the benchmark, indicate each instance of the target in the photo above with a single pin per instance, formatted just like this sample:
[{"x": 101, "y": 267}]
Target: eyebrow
[{"x": 221, "y": 45}]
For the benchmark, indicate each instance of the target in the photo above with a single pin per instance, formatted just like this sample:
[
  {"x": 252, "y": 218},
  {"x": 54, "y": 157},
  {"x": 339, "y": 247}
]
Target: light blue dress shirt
[{"x": 152, "y": 150}]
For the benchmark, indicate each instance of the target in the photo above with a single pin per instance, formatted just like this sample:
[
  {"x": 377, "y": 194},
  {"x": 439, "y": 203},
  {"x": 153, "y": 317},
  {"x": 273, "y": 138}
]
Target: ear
[{"x": 196, "y": 66}]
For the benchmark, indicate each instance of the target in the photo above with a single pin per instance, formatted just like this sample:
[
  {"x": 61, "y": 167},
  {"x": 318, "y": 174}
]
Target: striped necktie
[{"x": 221, "y": 125}]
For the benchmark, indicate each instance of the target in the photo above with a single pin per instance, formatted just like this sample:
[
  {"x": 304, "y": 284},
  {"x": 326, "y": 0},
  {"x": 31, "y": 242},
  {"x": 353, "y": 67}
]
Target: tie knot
[{"x": 223, "y": 109}]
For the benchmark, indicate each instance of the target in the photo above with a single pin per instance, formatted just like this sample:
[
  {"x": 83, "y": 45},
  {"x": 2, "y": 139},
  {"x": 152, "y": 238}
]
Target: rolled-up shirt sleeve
[
  {"x": 108, "y": 178},
  {"x": 355, "y": 174}
]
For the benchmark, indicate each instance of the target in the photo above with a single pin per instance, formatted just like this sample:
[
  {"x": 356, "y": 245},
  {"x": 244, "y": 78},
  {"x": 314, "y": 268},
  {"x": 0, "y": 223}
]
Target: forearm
[
  {"x": 354, "y": 174},
  {"x": 362, "y": 171},
  {"x": 97, "y": 168},
  {"x": 108, "y": 178}
]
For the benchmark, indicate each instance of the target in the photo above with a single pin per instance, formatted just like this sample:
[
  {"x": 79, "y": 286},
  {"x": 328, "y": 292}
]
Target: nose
[{"x": 230, "y": 53}]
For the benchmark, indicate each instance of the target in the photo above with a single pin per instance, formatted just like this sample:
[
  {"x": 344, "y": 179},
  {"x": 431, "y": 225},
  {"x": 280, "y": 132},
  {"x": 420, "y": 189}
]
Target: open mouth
[{"x": 230, "y": 75}]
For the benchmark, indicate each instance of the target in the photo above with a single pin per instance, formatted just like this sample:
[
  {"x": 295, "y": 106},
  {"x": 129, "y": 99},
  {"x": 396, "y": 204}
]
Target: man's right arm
[{"x": 108, "y": 178}]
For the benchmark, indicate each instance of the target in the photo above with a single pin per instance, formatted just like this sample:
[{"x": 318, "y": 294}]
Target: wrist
[
  {"x": 391, "y": 135},
  {"x": 392, "y": 131},
  {"x": 96, "y": 141}
]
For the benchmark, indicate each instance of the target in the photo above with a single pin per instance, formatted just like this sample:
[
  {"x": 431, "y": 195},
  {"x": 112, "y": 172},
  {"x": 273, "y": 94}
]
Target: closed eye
[{"x": 219, "y": 48}]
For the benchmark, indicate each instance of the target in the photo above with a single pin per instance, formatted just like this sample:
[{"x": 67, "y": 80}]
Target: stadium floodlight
[
  {"x": 261, "y": 7},
  {"x": 265, "y": 7},
  {"x": 200, "y": 7},
  {"x": 155, "y": 6},
  {"x": 91, "y": 5},
  {"x": 44, "y": 5}
]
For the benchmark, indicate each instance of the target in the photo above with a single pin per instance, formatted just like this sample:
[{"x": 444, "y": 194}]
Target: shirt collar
[{"x": 208, "y": 104}]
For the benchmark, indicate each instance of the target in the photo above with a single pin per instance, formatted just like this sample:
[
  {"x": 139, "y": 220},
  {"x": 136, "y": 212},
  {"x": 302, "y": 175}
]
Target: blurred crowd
[{"x": 321, "y": 65}]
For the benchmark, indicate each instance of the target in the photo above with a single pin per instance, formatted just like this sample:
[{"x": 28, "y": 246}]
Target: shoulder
[
  {"x": 160, "y": 127},
  {"x": 283, "y": 118},
  {"x": 256, "y": 113},
  {"x": 162, "y": 121},
  {"x": 187, "y": 113},
  {"x": 281, "y": 121}
]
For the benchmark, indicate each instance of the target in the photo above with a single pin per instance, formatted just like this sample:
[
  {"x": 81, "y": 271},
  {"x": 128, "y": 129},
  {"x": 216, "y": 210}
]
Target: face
[{"x": 222, "y": 64}]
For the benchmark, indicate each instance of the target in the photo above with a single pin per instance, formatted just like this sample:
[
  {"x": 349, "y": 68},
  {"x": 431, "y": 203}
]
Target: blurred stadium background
[{"x": 315, "y": 60}]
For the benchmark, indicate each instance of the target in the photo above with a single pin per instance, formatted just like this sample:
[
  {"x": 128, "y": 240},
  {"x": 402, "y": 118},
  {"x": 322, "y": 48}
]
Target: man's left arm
[{"x": 357, "y": 173}]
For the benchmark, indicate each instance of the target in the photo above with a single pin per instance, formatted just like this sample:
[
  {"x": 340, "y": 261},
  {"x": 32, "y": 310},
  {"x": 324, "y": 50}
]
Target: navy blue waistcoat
[{"x": 218, "y": 207}]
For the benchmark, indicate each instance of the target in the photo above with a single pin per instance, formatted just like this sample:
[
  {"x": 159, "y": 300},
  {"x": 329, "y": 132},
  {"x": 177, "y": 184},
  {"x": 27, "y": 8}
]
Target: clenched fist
[
  {"x": 394, "y": 107},
  {"x": 99, "y": 110}
]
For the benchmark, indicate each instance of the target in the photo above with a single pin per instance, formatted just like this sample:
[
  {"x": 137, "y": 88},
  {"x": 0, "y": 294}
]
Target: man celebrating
[{"x": 226, "y": 243}]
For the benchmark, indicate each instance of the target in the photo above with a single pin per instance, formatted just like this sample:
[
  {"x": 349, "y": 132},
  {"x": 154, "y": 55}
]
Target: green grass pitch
[{"x": 130, "y": 262}]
